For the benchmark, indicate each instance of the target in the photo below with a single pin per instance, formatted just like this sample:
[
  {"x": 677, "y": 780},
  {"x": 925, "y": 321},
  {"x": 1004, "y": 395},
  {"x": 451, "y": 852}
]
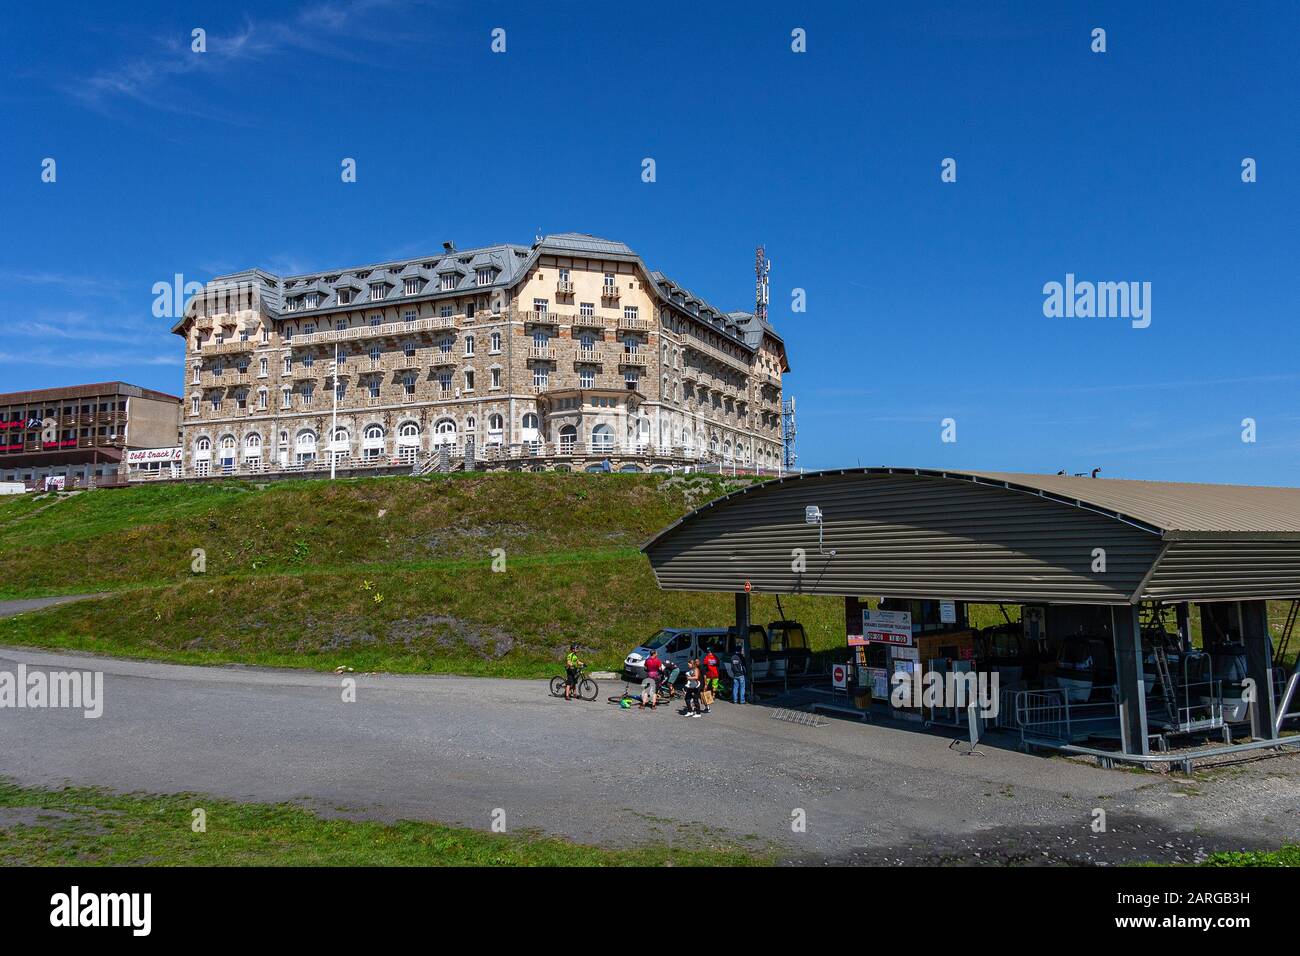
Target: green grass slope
[
  {"x": 88, "y": 827},
  {"x": 374, "y": 574}
]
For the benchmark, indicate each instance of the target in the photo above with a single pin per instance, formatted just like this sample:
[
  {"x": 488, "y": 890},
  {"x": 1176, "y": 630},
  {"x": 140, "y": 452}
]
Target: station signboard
[{"x": 886, "y": 627}]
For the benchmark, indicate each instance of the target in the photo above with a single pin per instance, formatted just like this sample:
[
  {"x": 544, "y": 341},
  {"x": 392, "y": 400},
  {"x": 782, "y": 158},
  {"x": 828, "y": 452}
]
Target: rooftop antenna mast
[{"x": 762, "y": 268}]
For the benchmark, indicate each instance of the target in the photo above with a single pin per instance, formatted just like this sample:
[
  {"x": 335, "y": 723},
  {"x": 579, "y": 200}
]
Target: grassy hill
[{"x": 374, "y": 574}]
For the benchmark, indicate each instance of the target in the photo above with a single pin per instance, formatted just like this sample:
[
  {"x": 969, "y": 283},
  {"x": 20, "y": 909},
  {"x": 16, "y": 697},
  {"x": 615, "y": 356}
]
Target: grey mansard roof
[{"x": 509, "y": 262}]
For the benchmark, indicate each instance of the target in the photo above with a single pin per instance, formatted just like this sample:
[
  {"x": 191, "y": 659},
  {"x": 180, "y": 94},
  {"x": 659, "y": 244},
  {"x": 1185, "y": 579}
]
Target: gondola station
[{"x": 1132, "y": 616}]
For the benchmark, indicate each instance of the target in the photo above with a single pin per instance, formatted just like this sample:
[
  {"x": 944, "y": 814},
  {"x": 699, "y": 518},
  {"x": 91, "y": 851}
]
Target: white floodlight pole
[{"x": 334, "y": 415}]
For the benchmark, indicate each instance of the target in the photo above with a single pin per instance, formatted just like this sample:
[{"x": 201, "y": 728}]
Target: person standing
[
  {"x": 738, "y": 676},
  {"x": 650, "y": 686},
  {"x": 712, "y": 677},
  {"x": 693, "y": 682},
  {"x": 571, "y": 666}
]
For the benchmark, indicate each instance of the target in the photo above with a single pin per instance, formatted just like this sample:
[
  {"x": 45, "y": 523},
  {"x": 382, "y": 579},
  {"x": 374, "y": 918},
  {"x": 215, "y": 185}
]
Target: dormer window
[
  {"x": 484, "y": 277},
  {"x": 311, "y": 300},
  {"x": 376, "y": 291},
  {"x": 413, "y": 286},
  {"x": 345, "y": 296},
  {"x": 448, "y": 282}
]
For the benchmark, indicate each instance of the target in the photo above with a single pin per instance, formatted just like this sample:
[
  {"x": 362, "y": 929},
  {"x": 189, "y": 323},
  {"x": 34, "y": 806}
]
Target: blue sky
[{"x": 924, "y": 298}]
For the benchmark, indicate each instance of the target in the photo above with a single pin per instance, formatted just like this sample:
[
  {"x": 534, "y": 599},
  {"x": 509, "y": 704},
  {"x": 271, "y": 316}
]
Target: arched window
[
  {"x": 496, "y": 425},
  {"x": 602, "y": 438},
  {"x": 253, "y": 442},
  {"x": 444, "y": 432},
  {"x": 529, "y": 434},
  {"x": 568, "y": 438},
  {"x": 204, "y": 443},
  {"x": 372, "y": 442},
  {"x": 408, "y": 442},
  {"x": 305, "y": 443}
]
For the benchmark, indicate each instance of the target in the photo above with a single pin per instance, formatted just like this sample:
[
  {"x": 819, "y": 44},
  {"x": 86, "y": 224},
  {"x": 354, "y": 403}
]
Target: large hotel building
[{"x": 567, "y": 354}]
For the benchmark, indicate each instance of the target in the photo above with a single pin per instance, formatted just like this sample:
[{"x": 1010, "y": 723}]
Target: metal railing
[{"x": 1047, "y": 716}]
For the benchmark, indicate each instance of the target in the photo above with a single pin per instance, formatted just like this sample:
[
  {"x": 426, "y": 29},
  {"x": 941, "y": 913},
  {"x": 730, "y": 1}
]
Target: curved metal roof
[{"x": 978, "y": 535}]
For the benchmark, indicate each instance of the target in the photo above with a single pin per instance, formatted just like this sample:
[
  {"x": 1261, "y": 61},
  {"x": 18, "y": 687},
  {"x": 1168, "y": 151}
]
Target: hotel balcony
[
  {"x": 587, "y": 357},
  {"x": 388, "y": 330},
  {"x": 626, "y": 324},
  {"x": 590, "y": 322},
  {"x": 564, "y": 287},
  {"x": 229, "y": 348},
  {"x": 541, "y": 353},
  {"x": 442, "y": 359},
  {"x": 610, "y": 291},
  {"x": 540, "y": 318},
  {"x": 634, "y": 359},
  {"x": 708, "y": 351}
]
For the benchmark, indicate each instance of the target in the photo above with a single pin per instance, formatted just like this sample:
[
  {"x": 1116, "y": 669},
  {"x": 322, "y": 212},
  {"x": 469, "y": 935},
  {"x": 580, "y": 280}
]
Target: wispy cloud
[
  {"x": 115, "y": 360},
  {"x": 355, "y": 32},
  {"x": 70, "y": 282}
]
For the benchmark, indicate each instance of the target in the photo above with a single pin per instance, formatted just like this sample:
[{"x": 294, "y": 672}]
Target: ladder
[
  {"x": 1166, "y": 678},
  {"x": 1154, "y": 628},
  {"x": 1288, "y": 627}
]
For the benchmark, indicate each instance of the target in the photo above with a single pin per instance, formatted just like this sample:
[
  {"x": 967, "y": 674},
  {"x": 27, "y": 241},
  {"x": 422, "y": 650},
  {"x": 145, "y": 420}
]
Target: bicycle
[
  {"x": 584, "y": 688},
  {"x": 663, "y": 694}
]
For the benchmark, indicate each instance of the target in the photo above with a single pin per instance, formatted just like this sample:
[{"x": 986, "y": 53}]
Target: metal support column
[
  {"x": 742, "y": 635},
  {"x": 1128, "y": 679},
  {"x": 1259, "y": 666},
  {"x": 1183, "y": 612}
]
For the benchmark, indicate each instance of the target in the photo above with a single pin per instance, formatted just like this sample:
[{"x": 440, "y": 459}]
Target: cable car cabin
[{"x": 788, "y": 649}]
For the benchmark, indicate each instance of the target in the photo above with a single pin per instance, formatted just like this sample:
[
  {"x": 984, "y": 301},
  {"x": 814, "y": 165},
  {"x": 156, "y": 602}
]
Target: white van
[{"x": 677, "y": 645}]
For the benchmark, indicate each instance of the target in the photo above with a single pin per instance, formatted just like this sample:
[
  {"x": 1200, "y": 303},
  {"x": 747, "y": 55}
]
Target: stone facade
[{"x": 570, "y": 348}]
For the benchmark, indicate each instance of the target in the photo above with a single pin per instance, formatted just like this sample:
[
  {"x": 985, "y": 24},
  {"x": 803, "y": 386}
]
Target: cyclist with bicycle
[{"x": 572, "y": 665}]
